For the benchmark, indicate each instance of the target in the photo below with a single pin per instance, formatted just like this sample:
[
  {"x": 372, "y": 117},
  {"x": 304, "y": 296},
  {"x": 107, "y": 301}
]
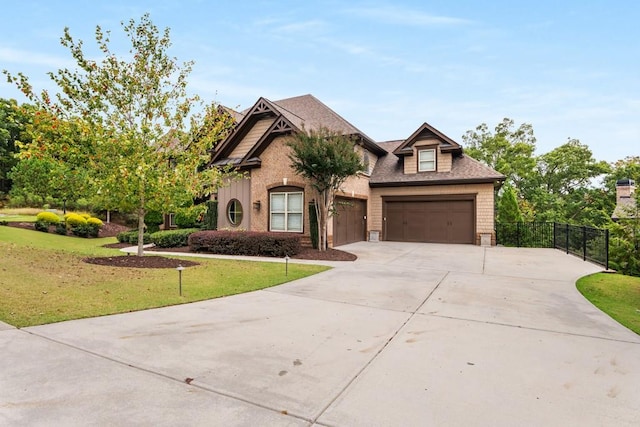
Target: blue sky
[{"x": 570, "y": 68}]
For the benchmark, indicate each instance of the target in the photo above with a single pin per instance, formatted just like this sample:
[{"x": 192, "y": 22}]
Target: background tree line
[{"x": 566, "y": 185}]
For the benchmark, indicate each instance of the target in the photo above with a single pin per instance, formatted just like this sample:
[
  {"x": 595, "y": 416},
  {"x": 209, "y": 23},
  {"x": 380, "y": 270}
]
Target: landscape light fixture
[
  {"x": 180, "y": 268},
  {"x": 286, "y": 265}
]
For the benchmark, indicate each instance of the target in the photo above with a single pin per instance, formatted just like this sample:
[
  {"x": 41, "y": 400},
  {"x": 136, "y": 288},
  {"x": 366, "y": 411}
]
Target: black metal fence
[{"x": 591, "y": 244}]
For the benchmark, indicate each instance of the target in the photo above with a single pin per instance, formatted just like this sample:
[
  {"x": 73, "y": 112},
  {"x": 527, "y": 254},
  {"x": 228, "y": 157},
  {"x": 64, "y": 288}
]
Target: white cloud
[
  {"x": 306, "y": 27},
  {"x": 404, "y": 16},
  {"x": 25, "y": 57}
]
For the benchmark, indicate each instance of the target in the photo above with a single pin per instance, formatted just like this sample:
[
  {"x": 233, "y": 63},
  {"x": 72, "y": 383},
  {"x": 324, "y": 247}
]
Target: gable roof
[
  {"x": 389, "y": 171},
  {"x": 290, "y": 115},
  {"x": 426, "y": 131},
  {"x": 235, "y": 115}
]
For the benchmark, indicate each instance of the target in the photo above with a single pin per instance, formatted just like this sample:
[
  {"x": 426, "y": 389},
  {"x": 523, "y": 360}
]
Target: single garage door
[
  {"x": 441, "y": 221},
  {"x": 349, "y": 222}
]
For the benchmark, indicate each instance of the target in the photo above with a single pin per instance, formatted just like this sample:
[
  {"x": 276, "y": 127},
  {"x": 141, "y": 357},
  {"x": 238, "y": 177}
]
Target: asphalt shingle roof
[
  {"x": 307, "y": 110},
  {"x": 389, "y": 170}
]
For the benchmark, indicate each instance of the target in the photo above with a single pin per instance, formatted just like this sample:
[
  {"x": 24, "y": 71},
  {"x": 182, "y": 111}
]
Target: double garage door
[{"x": 432, "y": 221}]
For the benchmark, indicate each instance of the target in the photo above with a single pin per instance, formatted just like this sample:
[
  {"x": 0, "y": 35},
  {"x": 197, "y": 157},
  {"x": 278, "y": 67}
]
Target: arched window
[{"x": 234, "y": 212}]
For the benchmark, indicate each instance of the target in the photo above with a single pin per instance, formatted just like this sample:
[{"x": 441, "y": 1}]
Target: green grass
[
  {"x": 615, "y": 294},
  {"x": 43, "y": 279},
  {"x": 19, "y": 214},
  {"x": 17, "y": 218}
]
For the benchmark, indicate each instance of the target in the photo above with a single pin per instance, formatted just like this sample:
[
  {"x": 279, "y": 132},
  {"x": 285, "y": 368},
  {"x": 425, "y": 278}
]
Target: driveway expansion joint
[
  {"x": 190, "y": 382},
  {"x": 531, "y": 328},
  {"x": 384, "y": 346}
]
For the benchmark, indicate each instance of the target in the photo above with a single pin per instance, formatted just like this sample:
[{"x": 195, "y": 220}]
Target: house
[
  {"x": 420, "y": 189},
  {"x": 625, "y": 201}
]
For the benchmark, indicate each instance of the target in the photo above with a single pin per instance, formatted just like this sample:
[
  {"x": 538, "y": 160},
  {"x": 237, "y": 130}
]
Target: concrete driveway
[{"x": 409, "y": 335}]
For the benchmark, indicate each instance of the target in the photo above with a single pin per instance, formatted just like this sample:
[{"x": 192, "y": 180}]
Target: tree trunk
[
  {"x": 141, "y": 213},
  {"x": 323, "y": 219},
  {"x": 140, "y": 232}
]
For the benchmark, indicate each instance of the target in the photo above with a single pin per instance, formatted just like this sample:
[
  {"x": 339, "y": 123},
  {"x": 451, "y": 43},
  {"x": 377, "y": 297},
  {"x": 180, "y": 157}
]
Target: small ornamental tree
[
  {"x": 325, "y": 158},
  {"x": 508, "y": 209},
  {"x": 144, "y": 147}
]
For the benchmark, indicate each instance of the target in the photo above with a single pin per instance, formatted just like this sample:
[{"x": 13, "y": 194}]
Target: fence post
[
  {"x": 606, "y": 247},
  {"x": 555, "y": 235},
  {"x": 567, "y": 239},
  {"x": 518, "y": 234},
  {"x": 584, "y": 243}
]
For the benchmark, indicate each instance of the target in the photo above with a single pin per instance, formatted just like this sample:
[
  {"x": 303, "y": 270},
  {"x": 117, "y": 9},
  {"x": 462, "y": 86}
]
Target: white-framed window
[
  {"x": 427, "y": 160},
  {"x": 285, "y": 210},
  {"x": 172, "y": 220}
]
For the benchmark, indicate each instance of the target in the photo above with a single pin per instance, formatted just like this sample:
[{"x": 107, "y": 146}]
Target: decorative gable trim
[
  {"x": 261, "y": 109},
  {"x": 426, "y": 131},
  {"x": 281, "y": 126}
]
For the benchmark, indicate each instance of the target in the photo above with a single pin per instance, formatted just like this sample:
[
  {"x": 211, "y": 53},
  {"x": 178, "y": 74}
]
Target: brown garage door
[
  {"x": 349, "y": 223},
  {"x": 442, "y": 221}
]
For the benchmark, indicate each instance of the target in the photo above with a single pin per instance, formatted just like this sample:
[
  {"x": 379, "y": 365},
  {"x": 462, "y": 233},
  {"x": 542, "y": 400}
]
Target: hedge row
[
  {"x": 172, "y": 238},
  {"x": 251, "y": 243},
  {"x": 132, "y": 237},
  {"x": 80, "y": 225}
]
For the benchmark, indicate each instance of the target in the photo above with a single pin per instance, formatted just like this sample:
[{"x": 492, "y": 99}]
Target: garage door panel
[
  {"x": 442, "y": 221},
  {"x": 436, "y": 220},
  {"x": 462, "y": 222},
  {"x": 394, "y": 221},
  {"x": 414, "y": 214},
  {"x": 349, "y": 224}
]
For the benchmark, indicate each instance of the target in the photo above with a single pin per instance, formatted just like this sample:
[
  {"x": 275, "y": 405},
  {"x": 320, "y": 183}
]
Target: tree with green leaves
[
  {"x": 144, "y": 145},
  {"x": 563, "y": 178},
  {"x": 325, "y": 158},
  {"x": 507, "y": 149},
  {"x": 14, "y": 120}
]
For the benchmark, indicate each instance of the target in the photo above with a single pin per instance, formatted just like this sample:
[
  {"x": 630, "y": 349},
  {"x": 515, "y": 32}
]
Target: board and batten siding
[
  {"x": 239, "y": 189},
  {"x": 251, "y": 138}
]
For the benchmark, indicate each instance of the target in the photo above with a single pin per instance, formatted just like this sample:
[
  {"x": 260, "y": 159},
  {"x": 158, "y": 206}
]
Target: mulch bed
[
  {"x": 112, "y": 229},
  {"x": 140, "y": 261},
  {"x": 306, "y": 253}
]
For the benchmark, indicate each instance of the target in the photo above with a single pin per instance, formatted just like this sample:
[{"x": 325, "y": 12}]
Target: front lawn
[
  {"x": 615, "y": 294},
  {"x": 43, "y": 279}
]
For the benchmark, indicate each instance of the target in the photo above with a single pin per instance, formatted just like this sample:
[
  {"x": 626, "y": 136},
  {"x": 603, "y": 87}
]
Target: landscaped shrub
[
  {"x": 61, "y": 228},
  {"x": 190, "y": 217},
  {"x": 44, "y": 220},
  {"x": 48, "y": 217},
  {"x": 250, "y": 243},
  {"x": 153, "y": 220},
  {"x": 313, "y": 225},
  {"x": 83, "y": 225},
  {"x": 94, "y": 224},
  {"x": 172, "y": 238},
  {"x": 132, "y": 237},
  {"x": 211, "y": 215},
  {"x": 41, "y": 226},
  {"x": 74, "y": 220}
]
